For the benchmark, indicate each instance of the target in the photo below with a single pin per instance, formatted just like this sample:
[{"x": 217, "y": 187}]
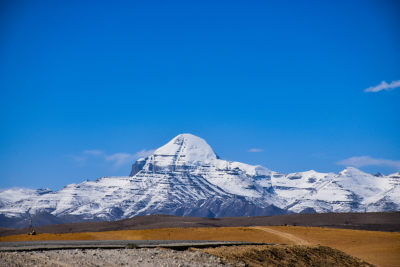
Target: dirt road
[{"x": 296, "y": 240}]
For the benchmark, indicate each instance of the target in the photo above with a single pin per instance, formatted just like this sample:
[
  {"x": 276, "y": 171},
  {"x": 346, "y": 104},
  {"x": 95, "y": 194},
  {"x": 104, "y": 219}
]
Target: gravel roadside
[{"x": 111, "y": 257}]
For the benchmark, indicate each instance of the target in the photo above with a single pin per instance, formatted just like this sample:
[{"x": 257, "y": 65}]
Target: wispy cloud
[
  {"x": 117, "y": 159},
  {"x": 255, "y": 150},
  {"x": 363, "y": 161},
  {"x": 79, "y": 159},
  {"x": 120, "y": 159},
  {"x": 94, "y": 152},
  {"x": 319, "y": 155},
  {"x": 383, "y": 86},
  {"x": 144, "y": 153}
]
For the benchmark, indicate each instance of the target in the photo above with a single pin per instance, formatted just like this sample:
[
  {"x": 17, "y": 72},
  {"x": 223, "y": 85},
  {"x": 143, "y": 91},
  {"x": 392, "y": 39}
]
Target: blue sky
[{"x": 88, "y": 86}]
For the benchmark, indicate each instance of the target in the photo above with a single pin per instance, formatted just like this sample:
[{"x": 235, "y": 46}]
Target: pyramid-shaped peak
[
  {"x": 189, "y": 147},
  {"x": 352, "y": 171}
]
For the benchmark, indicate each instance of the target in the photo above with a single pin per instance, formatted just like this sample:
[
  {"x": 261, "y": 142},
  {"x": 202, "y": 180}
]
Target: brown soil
[
  {"x": 301, "y": 256},
  {"x": 218, "y": 234},
  {"x": 380, "y": 248}
]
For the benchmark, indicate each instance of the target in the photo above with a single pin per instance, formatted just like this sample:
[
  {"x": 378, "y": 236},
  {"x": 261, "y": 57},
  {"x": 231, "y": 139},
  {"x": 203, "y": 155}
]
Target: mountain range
[{"x": 185, "y": 177}]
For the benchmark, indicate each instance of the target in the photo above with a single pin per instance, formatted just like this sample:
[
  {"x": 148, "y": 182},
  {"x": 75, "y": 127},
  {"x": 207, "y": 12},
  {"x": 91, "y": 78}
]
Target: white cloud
[
  {"x": 255, "y": 150},
  {"x": 369, "y": 161},
  {"x": 383, "y": 86},
  {"x": 94, "y": 152},
  {"x": 144, "y": 153},
  {"x": 118, "y": 159},
  {"x": 79, "y": 159},
  {"x": 319, "y": 155}
]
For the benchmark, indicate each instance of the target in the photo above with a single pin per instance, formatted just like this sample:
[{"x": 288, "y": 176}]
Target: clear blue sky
[{"x": 83, "y": 81}]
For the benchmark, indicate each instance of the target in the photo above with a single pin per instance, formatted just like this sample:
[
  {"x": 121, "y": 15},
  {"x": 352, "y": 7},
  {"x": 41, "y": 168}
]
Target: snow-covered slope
[
  {"x": 185, "y": 177},
  {"x": 191, "y": 155},
  {"x": 350, "y": 190}
]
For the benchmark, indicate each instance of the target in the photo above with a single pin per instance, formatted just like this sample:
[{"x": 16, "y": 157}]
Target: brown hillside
[
  {"x": 300, "y": 256},
  {"x": 378, "y": 221}
]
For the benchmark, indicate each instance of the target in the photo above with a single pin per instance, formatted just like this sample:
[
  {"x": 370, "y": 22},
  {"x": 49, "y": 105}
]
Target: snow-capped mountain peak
[
  {"x": 352, "y": 171},
  {"x": 184, "y": 148}
]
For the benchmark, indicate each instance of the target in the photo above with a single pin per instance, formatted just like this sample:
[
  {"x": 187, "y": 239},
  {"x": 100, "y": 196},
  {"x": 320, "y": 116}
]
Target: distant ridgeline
[{"x": 186, "y": 178}]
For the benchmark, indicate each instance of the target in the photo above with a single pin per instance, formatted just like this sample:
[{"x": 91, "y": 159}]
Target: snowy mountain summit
[
  {"x": 186, "y": 149},
  {"x": 185, "y": 177},
  {"x": 183, "y": 150}
]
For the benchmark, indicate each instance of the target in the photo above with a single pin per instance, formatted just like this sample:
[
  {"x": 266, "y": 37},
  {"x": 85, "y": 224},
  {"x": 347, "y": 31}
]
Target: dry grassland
[
  {"x": 218, "y": 234},
  {"x": 379, "y": 248}
]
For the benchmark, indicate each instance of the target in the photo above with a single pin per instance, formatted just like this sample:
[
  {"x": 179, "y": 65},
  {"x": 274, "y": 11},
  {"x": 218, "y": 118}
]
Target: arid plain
[{"x": 375, "y": 247}]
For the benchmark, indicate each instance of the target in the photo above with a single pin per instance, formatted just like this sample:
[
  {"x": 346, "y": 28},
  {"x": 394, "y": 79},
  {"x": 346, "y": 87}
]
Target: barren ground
[{"x": 379, "y": 248}]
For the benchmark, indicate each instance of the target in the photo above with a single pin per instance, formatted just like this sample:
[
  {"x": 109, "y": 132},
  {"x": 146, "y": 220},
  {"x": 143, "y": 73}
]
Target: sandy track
[{"x": 296, "y": 240}]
